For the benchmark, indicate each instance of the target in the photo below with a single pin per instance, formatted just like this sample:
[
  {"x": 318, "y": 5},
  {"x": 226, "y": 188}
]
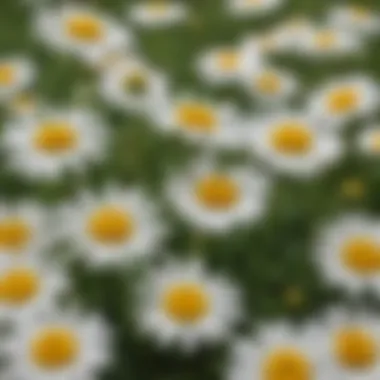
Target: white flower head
[
  {"x": 294, "y": 144},
  {"x": 348, "y": 253},
  {"x": 44, "y": 145},
  {"x": 82, "y": 31},
  {"x": 218, "y": 199},
  {"x": 116, "y": 227},
  {"x": 181, "y": 303},
  {"x": 157, "y": 14},
  {"x": 58, "y": 346},
  {"x": 16, "y": 75}
]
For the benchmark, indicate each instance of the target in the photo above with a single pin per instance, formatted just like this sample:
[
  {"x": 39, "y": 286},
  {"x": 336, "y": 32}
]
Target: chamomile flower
[
  {"x": 116, "y": 227},
  {"x": 57, "y": 346},
  {"x": 218, "y": 199},
  {"x": 225, "y": 64},
  {"x": 201, "y": 121},
  {"x": 247, "y": 8},
  {"x": 279, "y": 352},
  {"x": 355, "y": 18},
  {"x": 158, "y": 13},
  {"x": 132, "y": 85},
  {"x": 45, "y": 145},
  {"x": 28, "y": 286},
  {"x": 181, "y": 303},
  {"x": 270, "y": 85},
  {"x": 348, "y": 252},
  {"x": 343, "y": 99},
  {"x": 329, "y": 42},
  {"x": 369, "y": 140},
  {"x": 350, "y": 342},
  {"x": 16, "y": 75},
  {"x": 82, "y": 31},
  {"x": 22, "y": 229},
  {"x": 294, "y": 144}
]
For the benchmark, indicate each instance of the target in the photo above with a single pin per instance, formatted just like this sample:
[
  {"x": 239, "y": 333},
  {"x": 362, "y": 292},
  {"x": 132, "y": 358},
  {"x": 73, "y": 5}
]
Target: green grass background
[{"x": 265, "y": 260}]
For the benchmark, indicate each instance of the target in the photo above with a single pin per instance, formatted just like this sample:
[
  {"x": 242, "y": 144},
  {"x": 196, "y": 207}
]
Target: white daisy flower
[
  {"x": 47, "y": 144},
  {"x": 28, "y": 286},
  {"x": 356, "y": 19},
  {"x": 201, "y": 121},
  {"x": 350, "y": 342},
  {"x": 369, "y": 140},
  {"x": 225, "y": 64},
  {"x": 113, "y": 228},
  {"x": 270, "y": 85},
  {"x": 343, "y": 99},
  {"x": 218, "y": 199},
  {"x": 348, "y": 252},
  {"x": 82, "y": 31},
  {"x": 133, "y": 85},
  {"x": 294, "y": 144},
  {"x": 58, "y": 346},
  {"x": 158, "y": 13},
  {"x": 180, "y": 303},
  {"x": 279, "y": 352},
  {"x": 22, "y": 229},
  {"x": 247, "y": 8},
  {"x": 16, "y": 75},
  {"x": 329, "y": 42}
]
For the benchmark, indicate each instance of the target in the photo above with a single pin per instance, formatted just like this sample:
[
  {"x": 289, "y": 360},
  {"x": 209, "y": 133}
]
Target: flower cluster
[{"x": 179, "y": 299}]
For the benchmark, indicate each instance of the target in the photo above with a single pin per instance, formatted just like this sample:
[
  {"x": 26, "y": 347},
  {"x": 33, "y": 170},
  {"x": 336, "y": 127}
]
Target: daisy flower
[
  {"x": 16, "y": 75},
  {"x": 225, "y": 64},
  {"x": 58, "y": 346},
  {"x": 112, "y": 228},
  {"x": 247, "y": 8},
  {"x": 28, "y": 286},
  {"x": 341, "y": 100},
  {"x": 180, "y": 303},
  {"x": 270, "y": 85},
  {"x": 158, "y": 13},
  {"x": 369, "y": 140},
  {"x": 80, "y": 30},
  {"x": 355, "y": 18},
  {"x": 133, "y": 85},
  {"x": 350, "y": 342},
  {"x": 294, "y": 144},
  {"x": 279, "y": 352},
  {"x": 329, "y": 42},
  {"x": 46, "y": 145},
  {"x": 218, "y": 199},
  {"x": 201, "y": 121},
  {"x": 22, "y": 229},
  {"x": 347, "y": 251}
]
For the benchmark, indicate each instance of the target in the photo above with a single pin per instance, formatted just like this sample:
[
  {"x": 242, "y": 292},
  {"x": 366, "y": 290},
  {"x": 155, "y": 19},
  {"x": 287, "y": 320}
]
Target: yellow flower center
[
  {"x": 196, "y": 117},
  {"x": 7, "y": 75},
  {"x": 54, "y": 348},
  {"x": 325, "y": 40},
  {"x": 55, "y": 137},
  {"x": 287, "y": 364},
  {"x": 292, "y": 138},
  {"x": 343, "y": 100},
  {"x": 361, "y": 254},
  {"x": 217, "y": 192},
  {"x": 15, "y": 233},
  {"x": 268, "y": 83},
  {"x": 158, "y": 7},
  {"x": 84, "y": 28},
  {"x": 375, "y": 142},
  {"x": 355, "y": 348},
  {"x": 136, "y": 83},
  {"x": 186, "y": 302},
  {"x": 19, "y": 285},
  {"x": 360, "y": 13},
  {"x": 109, "y": 225},
  {"x": 228, "y": 60}
]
